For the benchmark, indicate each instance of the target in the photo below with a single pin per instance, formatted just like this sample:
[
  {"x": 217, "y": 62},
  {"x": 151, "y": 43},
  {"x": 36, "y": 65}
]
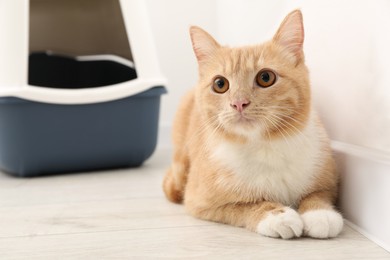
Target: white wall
[{"x": 170, "y": 22}]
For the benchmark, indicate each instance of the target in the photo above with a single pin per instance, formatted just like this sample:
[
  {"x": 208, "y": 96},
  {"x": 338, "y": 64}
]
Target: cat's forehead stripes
[{"x": 240, "y": 62}]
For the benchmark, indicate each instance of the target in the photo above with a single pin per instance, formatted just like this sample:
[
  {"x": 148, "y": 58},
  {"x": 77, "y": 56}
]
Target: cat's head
[{"x": 255, "y": 90}]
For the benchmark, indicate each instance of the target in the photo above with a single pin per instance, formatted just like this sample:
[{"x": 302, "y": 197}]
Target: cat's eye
[
  {"x": 265, "y": 78},
  {"x": 220, "y": 85}
]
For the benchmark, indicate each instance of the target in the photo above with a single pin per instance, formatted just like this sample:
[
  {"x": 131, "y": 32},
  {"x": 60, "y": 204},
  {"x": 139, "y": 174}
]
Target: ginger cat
[{"x": 249, "y": 150}]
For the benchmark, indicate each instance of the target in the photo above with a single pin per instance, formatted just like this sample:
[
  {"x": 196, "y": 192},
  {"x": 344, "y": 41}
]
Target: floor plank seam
[{"x": 105, "y": 231}]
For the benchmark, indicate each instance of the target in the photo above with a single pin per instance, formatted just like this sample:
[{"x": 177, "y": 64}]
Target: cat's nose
[{"x": 240, "y": 105}]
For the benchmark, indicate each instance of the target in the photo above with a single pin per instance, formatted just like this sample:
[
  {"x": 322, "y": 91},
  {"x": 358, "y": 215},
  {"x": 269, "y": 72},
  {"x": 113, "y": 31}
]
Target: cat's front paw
[
  {"x": 285, "y": 223},
  {"x": 322, "y": 223}
]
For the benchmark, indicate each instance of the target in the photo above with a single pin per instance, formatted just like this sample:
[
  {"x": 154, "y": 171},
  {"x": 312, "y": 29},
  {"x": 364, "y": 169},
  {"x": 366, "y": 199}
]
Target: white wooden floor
[{"x": 123, "y": 214}]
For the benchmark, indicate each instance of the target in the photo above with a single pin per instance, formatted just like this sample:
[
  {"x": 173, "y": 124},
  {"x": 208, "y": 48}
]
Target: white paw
[
  {"x": 322, "y": 223},
  {"x": 285, "y": 223}
]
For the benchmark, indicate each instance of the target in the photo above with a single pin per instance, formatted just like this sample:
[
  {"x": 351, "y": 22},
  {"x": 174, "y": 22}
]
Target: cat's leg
[
  {"x": 320, "y": 219},
  {"x": 267, "y": 218},
  {"x": 176, "y": 178}
]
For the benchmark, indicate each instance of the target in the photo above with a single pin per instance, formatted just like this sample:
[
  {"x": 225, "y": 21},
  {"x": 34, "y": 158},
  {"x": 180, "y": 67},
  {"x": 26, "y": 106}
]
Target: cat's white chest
[{"x": 279, "y": 171}]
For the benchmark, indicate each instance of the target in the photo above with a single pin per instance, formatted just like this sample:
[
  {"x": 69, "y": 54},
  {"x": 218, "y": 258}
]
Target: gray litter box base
[{"x": 39, "y": 139}]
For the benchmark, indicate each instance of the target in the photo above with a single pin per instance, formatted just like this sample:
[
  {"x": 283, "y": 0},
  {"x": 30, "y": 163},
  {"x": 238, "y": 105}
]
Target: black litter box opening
[{"x": 56, "y": 71}]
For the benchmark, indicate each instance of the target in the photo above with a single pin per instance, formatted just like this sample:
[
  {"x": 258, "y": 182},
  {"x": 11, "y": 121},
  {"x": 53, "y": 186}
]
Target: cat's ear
[
  {"x": 203, "y": 43},
  {"x": 290, "y": 34}
]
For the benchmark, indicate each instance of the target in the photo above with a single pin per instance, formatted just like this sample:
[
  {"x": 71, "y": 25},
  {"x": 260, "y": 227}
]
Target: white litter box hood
[{"x": 14, "y": 50}]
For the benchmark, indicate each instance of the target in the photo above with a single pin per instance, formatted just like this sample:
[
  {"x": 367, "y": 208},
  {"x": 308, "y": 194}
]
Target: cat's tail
[{"x": 174, "y": 182}]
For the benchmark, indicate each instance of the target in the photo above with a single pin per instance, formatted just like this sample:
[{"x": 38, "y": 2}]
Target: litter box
[{"x": 80, "y": 86}]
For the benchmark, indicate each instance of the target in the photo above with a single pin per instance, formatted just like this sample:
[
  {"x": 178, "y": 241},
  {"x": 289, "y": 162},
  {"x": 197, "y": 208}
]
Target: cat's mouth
[
  {"x": 243, "y": 119},
  {"x": 238, "y": 121}
]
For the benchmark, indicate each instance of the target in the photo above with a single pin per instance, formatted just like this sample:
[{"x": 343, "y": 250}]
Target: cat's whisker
[
  {"x": 202, "y": 129},
  {"x": 292, "y": 118},
  {"x": 280, "y": 113},
  {"x": 213, "y": 125},
  {"x": 211, "y": 136},
  {"x": 278, "y": 129},
  {"x": 289, "y": 126},
  {"x": 285, "y": 129},
  {"x": 265, "y": 126},
  {"x": 293, "y": 110},
  {"x": 280, "y": 117},
  {"x": 288, "y": 108}
]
